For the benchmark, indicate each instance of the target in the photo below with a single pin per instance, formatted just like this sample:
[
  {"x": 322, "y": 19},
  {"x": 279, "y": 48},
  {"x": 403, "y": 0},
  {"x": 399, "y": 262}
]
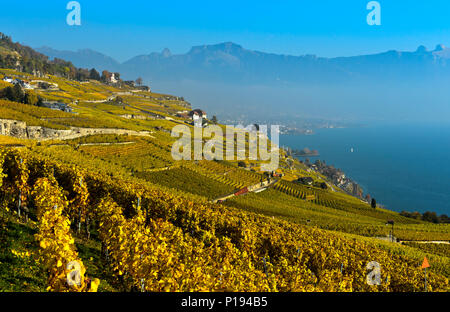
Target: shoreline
[{"x": 398, "y": 180}]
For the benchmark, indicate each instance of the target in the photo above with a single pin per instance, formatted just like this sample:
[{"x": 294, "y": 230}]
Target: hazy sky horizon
[{"x": 325, "y": 28}]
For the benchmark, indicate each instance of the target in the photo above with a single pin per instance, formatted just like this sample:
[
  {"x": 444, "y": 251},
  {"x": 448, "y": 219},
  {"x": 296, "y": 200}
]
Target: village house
[
  {"x": 8, "y": 79},
  {"x": 197, "y": 114},
  {"x": 45, "y": 85},
  {"x": 182, "y": 114},
  {"x": 113, "y": 78},
  {"x": 23, "y": 84},
  {"x": 143, "y": 88},
  {"x": 130, "y": 83},
  {"x": 26, "y": 85},
  {"x": 58, "y": 106}
]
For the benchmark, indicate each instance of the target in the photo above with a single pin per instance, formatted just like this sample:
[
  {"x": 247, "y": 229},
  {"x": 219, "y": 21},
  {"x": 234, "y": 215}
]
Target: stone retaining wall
[{"x": 19, "y": 129}]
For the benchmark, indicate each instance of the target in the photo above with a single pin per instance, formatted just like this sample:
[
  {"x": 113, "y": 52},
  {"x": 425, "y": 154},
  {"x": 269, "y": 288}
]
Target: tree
[
  {"x": 14, "y": 94},
  {"x": 66, "y": 71},
  {"x": 373, "y": 203},
  {"x": 7, "y": 93},
  {"x": 118, "y": 100},
  {"x": 82, "y": 74},
  {"x": 31, "y": 98},
  {"x": 106, "y": 76},
  {"x": 444, "y": 219},
  {"x": 430, "y": 217},
  {"x": 18, "y": 93},
  {"x": 405, "y": 214},
  {"x": 139, "y": 81},
  {"x": 94, "y": 74},
  {"x": 40, "y": 102}
]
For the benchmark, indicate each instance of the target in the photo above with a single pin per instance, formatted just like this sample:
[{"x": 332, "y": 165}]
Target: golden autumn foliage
[
  {"x": 154, "y": 240},
  {"x": 58, "y": 253}
]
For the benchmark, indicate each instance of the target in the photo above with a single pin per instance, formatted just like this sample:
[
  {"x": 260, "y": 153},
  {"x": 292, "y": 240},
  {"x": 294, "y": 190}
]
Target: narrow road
[
  {"x": 427, "y": 242},
  {"x": 256, "y": 188}
]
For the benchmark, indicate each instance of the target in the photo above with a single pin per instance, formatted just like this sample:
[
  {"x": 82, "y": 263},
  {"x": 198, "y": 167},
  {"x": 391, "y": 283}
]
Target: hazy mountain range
[
  {"x": 235, "y": 81},
  {"x": 85, "y": 58},
  {"x": 229, "y": 62}
]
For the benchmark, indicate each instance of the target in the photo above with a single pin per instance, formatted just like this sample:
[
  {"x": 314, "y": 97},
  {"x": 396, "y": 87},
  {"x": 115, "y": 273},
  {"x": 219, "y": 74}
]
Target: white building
[
  {"x": 197, "y": 114},
  {"x": 22, "y": 83},
  {"x": 113, "y": 78}
]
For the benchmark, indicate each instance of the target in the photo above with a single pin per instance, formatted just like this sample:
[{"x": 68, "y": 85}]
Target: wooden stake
[
  {"x": 426, "y": 289},
  {"x": 20, "y": 203},
  {"x": 265, "y": 268}
]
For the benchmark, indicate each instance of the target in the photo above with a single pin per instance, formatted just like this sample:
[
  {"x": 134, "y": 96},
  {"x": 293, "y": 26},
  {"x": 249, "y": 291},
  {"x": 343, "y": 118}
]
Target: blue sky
[{"x": 123, "y": 29}]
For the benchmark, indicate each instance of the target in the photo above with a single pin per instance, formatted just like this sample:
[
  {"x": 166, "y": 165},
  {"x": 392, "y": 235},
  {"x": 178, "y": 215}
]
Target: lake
[{"x": 402, "y": 167}]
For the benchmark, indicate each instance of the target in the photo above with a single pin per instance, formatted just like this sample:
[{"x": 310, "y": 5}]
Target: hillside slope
[{"x": 136, "y": 219}]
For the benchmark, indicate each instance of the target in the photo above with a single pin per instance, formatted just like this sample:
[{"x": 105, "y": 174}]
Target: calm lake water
[{"x": 402, "y": 167}]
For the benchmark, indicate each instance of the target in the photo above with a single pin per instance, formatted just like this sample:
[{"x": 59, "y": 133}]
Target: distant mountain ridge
[
  {"x": 231, "y": 63},
  {"x": 85, "y": 58}
]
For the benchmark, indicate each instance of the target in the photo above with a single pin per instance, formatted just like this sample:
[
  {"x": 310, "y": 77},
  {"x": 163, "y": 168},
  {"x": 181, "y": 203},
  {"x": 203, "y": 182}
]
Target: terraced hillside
[{"x": 136, "y": 219}]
